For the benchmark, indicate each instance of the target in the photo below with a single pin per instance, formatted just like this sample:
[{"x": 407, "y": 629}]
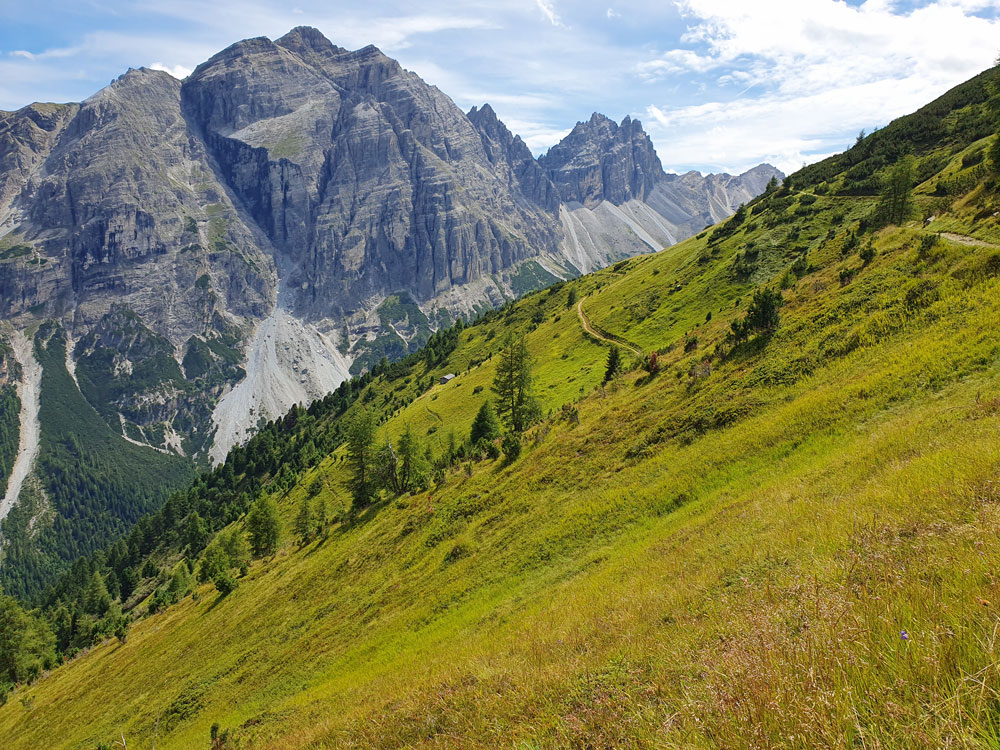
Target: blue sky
[{"x": 720, "y": 85}]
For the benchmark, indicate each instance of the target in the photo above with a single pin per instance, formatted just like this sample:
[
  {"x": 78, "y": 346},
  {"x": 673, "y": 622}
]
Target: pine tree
[
  {"x": 264, "y": 526},
  {"x": 762, "y": 315},
  {"x": 386, "y": 471},
  {"x": 485, "y": 426},
  {"x": 195, "y": 533},
  {"x": 96, "y": 598},
  {"x": 234, "y": 545},
  {"x": 304, "y": 521},
  {"x": 361, "y": 453},
  {"x": 512, "y": 384},
  {"x": 614, "y": 365},
  {"x": 213, "y": 562},
  {"x": 897, "y": 193},
  {"x": 320, "y": 514},
  {"x": 411, "y": 464}
]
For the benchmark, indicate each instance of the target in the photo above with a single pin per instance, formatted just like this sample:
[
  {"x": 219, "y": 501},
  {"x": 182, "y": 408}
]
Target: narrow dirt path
[
  {"x": 590, "y": 329},
  {"x": 964, "y": 239},
  {"x": 28, "y": 391},
  {"x": 433, "y": 413}
]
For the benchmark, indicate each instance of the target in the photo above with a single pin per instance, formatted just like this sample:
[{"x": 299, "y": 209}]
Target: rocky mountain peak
[
  {"x": 303, "y": 38},
  {"x": 600, "y": 160},
  {"x": 506, "y": 150}
]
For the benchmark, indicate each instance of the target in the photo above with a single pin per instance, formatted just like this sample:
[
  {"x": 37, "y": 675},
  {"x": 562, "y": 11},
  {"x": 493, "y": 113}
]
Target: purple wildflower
[{"x": 904, "y": 635}]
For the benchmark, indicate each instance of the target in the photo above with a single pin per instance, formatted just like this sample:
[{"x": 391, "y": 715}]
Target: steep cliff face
[
  {"x": 26, "y": 139},
  {"x": 368, "y": 180},
  {"x": 125, "y": 208},
  {"x": 512, "y": 160}
]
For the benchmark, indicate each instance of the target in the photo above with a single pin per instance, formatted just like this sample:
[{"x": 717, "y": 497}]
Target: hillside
[
  {"x": 217, "y": 249},
  {"x": 782, "y": 534}
]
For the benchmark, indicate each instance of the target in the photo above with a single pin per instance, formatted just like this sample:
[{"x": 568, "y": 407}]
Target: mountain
[
  {"x": 774, "y": 525},
  {"x": 212, "y": 251},
  {"x": 617, "y": 200}
]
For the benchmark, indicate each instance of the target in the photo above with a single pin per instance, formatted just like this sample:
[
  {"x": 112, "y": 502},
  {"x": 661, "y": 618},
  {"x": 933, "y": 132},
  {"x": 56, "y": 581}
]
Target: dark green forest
[{"x": 96, "y": 484}]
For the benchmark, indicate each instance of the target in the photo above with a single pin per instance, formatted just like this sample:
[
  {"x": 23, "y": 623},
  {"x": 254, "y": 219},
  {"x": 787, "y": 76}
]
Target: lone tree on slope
[
  {"x": 512, "y": 384},
  {"x": 897, "y": 193},
  {"x": 485, "y": 426},
  {"x": 614, "y": 365},
  {"x": 361, "y": 454}
]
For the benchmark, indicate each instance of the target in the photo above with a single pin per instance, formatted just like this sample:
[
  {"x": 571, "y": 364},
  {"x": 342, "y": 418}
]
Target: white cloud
[
  {"x": 49, "y": 54},
  {"x": 177, "y": 71},
  {"x": 549, "y": 11},
  {"x": 612, "y": 13},
  {"x": 819, "y": 69},
  {"x": 538, "y": 136}
]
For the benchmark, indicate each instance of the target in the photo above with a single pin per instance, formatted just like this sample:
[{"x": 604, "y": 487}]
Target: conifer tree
[
  {"x": 264, "y": 526},
  {"x": 614, "y": 364},
  {"x": 320, "y": 514},
  {"x": 195, "y": 533},
  {"x": 512, "y": 385},
  {"x": 762, "y": 315},
  {"x": 304, "y": 521},
  {"x": 235, "y": 547},
  {"x": 410, "y": 456},
  {"x": 897, "y": 193},
  {"x": 96, "y": 599},
  {"x": 361, "y": 454},
  {"x": 485, "y": 426}
]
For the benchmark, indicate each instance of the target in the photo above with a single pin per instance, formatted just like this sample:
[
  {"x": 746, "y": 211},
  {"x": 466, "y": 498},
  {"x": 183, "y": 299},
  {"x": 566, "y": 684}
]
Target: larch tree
[
  {"x": 361, "y": 455},
  {"x": 512, "y": 385},
  {"x": 264, "y": 526}
]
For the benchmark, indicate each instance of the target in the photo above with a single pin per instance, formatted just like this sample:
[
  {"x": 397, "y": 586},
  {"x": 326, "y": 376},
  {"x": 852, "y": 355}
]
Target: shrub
[
  {"x": 652, "y": 364},
  {"x": 511, "y": 447},
  {"x": 487, "y": 448},
  {"x": 225, "y": 583},
  {"x": 927, "y": 243}
]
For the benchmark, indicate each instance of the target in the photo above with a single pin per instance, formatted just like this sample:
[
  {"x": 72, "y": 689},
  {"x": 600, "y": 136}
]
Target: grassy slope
[{"x": 708, "y": 558}]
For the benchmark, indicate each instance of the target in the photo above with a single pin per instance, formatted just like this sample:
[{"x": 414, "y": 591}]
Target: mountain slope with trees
[
  {"x": 217, "y": 249},
  {"x": 788, "y": 501}
]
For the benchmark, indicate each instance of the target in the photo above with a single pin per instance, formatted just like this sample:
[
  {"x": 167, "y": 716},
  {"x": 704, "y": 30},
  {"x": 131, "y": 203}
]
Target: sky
[{"x": 720, "y": 85}]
